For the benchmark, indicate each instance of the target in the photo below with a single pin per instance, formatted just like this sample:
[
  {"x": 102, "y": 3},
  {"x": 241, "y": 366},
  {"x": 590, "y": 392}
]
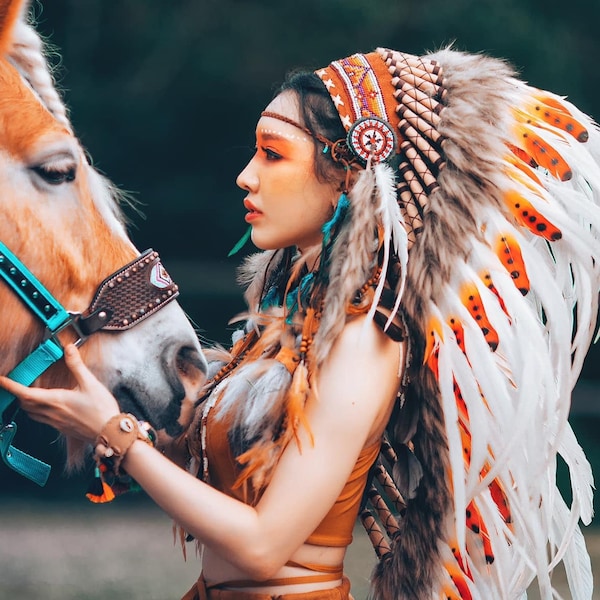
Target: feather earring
[{"x": 339, "y": 214}]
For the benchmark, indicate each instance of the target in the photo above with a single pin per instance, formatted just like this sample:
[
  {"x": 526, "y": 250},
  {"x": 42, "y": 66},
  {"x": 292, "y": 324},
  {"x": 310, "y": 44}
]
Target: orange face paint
[{"x": 287, "y": 203}]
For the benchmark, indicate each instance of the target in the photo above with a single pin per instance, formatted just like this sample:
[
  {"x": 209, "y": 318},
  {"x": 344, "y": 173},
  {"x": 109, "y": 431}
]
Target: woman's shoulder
[
  {"x": 362, "y": 339},
  {"x": 362, "y": 374}
]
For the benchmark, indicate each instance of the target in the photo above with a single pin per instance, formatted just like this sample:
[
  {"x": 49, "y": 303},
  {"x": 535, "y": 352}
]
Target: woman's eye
[
  {"x": 271, "y": 154},
  {"x": 55, "y": 176}
]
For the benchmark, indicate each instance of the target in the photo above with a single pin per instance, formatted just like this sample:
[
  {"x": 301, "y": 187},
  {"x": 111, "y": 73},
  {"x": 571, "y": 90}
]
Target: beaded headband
[{"x": 390, "y": 91}]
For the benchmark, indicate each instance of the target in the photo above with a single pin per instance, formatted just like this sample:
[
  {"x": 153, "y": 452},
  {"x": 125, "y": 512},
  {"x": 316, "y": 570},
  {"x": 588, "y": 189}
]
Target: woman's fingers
[
  {"x": 29, "y": 397},
  {"x": 32, "y": 400},
  {"x": 79, "y": 412},
  {"x": 83, "y": 376},
  {"x": 14, "y": 388}
]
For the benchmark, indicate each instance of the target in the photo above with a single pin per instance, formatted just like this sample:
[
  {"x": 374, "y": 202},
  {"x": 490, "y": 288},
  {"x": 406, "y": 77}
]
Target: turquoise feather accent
[
  {"x": 241, "y": 243},
  {"x": 338, "y": 215}
]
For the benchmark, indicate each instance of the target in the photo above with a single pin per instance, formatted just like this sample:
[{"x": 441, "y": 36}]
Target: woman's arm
[{"x": 356, "y": 387}]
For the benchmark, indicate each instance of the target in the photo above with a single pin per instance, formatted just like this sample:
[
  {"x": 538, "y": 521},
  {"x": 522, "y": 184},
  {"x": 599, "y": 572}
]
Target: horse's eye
[{"x": 56, "y": 176}]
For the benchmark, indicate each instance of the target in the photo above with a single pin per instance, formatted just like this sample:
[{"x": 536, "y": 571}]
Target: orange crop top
[{"x": 334, "y": 530}]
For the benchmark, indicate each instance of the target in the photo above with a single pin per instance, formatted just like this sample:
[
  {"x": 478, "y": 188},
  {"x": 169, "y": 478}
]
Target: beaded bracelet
[{"x": 118, "y": 435}]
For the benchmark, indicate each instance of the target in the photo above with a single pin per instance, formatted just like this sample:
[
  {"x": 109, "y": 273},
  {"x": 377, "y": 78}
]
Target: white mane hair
[{"x": 28, "y": 54}]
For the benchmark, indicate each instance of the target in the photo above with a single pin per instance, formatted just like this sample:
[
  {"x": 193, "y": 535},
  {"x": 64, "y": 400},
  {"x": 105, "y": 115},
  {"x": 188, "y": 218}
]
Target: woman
[{"x": 430, "y": 267}]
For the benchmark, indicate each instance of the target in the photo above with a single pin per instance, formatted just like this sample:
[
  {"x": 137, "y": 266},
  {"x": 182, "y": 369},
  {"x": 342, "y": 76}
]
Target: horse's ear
[{"x": 11, "y": 12}]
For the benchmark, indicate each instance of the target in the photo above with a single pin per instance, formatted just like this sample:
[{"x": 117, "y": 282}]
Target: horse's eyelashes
[{"x": 55, "y": 176}]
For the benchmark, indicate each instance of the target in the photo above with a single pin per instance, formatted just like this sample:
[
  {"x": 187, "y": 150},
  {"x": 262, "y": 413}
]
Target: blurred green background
[{"x": 165, "y": 95}]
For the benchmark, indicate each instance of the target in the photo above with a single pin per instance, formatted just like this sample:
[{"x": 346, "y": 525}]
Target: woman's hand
[{"x": 80, "y": 412}]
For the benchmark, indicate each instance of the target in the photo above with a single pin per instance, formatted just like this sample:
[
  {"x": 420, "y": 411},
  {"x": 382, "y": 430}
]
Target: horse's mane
[{"x": 29, "y": 55}]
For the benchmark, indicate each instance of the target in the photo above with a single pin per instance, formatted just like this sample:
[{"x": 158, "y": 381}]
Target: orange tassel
[
  {"x": 254, "y": 461},
  {"x": 99, "y": 491},
  {"x": 297, "y": 397}
]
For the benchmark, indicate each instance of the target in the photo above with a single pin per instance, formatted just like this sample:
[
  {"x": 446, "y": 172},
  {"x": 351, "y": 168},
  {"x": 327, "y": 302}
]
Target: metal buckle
[{"x": 73, "y": 323}]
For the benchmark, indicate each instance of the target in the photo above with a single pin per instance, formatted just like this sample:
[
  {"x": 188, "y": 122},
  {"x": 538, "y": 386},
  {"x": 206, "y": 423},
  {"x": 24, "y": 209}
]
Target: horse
[{"x": 63, "y": 221}]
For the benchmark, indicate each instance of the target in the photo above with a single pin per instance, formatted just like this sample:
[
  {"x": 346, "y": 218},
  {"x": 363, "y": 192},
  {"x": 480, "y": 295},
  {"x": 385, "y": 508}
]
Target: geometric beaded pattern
[
  {"x": 372, "y": 138},
  {"x": 407, "y": 92},
  {"x": 134, "y": 292},
  {"x": 355, "y": 89}
]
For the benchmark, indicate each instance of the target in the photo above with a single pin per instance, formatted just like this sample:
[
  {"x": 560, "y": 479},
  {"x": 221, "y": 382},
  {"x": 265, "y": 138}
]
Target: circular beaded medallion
[{"x": 372, "y": 137}]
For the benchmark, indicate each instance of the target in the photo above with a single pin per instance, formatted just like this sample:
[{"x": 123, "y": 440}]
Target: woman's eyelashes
[{"x": 270, "y": 154}]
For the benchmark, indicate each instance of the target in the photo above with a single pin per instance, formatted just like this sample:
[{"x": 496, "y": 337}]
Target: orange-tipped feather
[
  {"x": 553, "y": 112},
  {"x": 477, "y": 525},
  {"x": 525, "y": 213},
  {"x": 471, "y": 299},
  {"x": 543, "y": 154},
  {"x": 434, "y": 336},
  {"x": 509, "y": 253}
]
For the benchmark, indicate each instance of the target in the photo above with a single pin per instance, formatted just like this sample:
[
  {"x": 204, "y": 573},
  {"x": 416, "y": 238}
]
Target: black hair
[{"x": 319, "y": 116}]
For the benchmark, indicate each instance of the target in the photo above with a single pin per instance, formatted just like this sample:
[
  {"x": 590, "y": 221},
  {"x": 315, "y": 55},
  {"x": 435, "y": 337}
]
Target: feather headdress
[{"x": 499, "y": 188}]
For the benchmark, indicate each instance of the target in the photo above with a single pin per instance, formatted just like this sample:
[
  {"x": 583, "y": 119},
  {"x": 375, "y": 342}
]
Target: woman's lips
[{"x": 253, "y": 212}]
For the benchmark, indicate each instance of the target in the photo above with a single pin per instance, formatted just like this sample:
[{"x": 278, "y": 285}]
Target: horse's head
[{"x": 62, "y": 220}]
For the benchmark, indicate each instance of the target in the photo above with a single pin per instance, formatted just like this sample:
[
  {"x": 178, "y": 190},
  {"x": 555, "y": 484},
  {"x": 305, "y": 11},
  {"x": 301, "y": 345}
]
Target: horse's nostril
[{"x": 189, "y": 361}]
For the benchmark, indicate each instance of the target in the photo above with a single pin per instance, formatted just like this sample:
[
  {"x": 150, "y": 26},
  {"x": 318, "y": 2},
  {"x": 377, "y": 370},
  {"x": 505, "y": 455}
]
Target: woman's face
[{"x": 287, "y": 205}]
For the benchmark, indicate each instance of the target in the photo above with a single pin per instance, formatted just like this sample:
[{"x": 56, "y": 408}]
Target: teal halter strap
[
  {"x": 127, "y": 297},
  {"x": 52, "y": 314}
]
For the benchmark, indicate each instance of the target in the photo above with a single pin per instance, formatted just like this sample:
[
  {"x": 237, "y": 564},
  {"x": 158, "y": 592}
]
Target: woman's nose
[{"x": 248, "y": 178}]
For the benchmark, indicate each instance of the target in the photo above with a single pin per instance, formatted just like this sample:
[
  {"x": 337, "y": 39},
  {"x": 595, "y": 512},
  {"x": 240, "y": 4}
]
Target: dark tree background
[{"x": 165, "y": 94}]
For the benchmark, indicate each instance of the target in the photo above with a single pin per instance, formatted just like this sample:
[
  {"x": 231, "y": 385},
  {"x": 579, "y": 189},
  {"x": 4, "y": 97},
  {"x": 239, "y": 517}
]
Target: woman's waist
[{"x": 309, "y": 568}]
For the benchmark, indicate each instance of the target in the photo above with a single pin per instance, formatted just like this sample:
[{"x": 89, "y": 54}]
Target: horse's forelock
[{"x": 25, "y": 118}]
